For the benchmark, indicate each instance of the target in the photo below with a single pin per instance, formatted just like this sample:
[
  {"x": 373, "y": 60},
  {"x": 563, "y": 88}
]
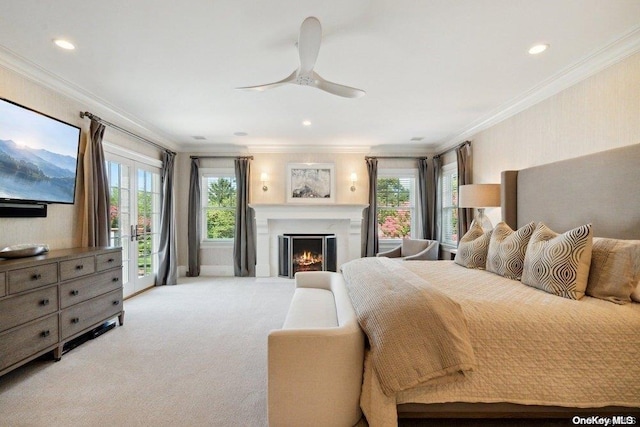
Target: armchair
[{"x": 414, "y": 249}]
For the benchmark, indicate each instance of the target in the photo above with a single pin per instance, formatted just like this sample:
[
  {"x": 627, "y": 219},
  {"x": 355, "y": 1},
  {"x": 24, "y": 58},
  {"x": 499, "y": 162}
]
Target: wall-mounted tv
[{"x": 38, "y": 156}]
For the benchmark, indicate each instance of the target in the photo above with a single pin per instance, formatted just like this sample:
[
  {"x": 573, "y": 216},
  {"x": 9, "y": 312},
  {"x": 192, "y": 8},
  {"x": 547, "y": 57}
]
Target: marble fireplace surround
[{"x": 343, "y": 220}]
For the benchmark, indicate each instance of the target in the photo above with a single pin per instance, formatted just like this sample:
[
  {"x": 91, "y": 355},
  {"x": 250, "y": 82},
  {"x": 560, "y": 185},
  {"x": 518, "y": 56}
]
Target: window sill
[{"x": 226, "y": 243}]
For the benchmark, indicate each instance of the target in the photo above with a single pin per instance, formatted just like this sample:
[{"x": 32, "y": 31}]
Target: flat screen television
[{"x": 38, "y": 156}]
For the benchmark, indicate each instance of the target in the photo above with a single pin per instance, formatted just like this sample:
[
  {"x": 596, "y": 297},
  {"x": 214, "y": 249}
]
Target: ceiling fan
[{"x": 308, "y": 48}]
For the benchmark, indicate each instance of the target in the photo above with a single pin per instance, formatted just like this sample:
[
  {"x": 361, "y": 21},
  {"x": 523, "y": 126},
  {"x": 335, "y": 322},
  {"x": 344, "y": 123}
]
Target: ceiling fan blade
[
  {"x": 309, "y": 43},
  {"x": 336, "y": 89},
  {"x": 260, "y": 88}
]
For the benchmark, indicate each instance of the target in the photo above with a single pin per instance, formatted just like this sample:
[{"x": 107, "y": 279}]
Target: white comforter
[{"x": 531, "y": 347}]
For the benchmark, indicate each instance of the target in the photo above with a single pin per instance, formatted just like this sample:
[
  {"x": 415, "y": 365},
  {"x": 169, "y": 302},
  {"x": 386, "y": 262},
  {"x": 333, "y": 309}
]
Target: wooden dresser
[{"x": 53, "y": 298}]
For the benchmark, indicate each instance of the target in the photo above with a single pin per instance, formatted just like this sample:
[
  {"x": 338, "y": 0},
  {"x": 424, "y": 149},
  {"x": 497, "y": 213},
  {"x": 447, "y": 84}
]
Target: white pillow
[{"x": 615, "y": 269}]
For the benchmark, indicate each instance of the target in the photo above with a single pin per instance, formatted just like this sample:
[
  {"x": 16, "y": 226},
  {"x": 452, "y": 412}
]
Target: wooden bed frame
[{"x": 602, "y": 189}]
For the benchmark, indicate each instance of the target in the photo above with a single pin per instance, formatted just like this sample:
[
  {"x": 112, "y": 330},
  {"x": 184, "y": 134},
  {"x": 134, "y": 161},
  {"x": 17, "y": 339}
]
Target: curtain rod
[
  {"x": 123, "y": 130},
  {"x": 451, "y": 149},
  {"x": 222, "y": 157},
  {"x": 395, "y": 157}
]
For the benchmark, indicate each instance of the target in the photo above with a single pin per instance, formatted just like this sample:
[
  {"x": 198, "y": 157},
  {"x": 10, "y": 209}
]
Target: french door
[{"x": 134, "y": 216}]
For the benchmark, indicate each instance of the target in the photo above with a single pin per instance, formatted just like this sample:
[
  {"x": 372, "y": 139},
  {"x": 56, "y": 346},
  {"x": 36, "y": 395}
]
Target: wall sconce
[
  {"x": 354, "y": 178},
  {"x": 264, "y": 178}
]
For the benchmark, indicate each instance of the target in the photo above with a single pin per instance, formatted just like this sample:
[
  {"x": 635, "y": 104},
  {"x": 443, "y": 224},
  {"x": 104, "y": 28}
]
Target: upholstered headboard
[{"x": 602, "y": 189}]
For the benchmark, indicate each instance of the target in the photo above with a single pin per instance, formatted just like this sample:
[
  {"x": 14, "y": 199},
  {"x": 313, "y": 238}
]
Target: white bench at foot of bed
[{"x": 316, "y": 360}]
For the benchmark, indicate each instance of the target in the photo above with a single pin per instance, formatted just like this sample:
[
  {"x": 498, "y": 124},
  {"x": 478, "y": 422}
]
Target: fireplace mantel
[{"x": 345, "y": 220}]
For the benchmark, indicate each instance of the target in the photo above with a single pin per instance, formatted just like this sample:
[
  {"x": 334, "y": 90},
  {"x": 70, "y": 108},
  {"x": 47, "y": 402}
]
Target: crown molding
[
  {"x": 591, "y": 64},
  {"x": 286, "y": 149},
  {"x": 102, "y": 107}
]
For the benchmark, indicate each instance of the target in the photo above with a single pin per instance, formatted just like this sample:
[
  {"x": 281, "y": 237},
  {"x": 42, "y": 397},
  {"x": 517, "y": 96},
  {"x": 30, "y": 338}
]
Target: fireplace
[{"x": 306, "y": 252}]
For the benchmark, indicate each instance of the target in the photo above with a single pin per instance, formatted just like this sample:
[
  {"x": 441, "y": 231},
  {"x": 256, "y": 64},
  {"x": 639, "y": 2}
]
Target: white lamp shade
[{"x": 479, "y": 196}]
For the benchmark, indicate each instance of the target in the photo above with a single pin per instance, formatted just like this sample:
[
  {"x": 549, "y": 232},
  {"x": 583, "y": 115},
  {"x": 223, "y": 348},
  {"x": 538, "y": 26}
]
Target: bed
[{"x": 536, "y": 354}]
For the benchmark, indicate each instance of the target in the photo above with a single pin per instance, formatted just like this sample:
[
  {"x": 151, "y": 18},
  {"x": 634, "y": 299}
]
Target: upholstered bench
[{"x": 315, "y": 361}]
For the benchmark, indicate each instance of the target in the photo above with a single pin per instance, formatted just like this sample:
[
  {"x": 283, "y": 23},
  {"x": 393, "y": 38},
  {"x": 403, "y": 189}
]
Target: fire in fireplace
[{"x": 306, "y": 252}]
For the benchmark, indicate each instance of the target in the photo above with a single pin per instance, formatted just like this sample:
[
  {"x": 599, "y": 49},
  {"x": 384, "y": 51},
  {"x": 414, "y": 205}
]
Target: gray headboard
[{"x": 602, "y": 189}]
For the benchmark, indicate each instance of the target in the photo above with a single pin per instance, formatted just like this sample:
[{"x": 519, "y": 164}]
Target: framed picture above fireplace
[{"x": 311, "y": 183}]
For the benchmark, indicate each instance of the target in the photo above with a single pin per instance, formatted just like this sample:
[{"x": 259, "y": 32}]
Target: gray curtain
[
  {"x": 424, "y": 204},
  {"x": 244, "y": 244},
  {"x": 370, "y": 219},
  {"x": 167, "y": 252},
  {"x": 433, "y": 191},
  {"x": 95, "y": 225},
  {"x": 465, "y": 215},
  {"x": 194, "y": 224}
]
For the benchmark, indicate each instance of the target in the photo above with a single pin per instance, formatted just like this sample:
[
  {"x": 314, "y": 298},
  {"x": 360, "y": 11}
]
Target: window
[
  {"x": 449, "y": 208},
  {"x": 219, "y": 205},
  {"x": 396, "y": 198}
]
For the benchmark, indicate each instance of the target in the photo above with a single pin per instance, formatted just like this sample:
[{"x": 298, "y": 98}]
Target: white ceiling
[{"x": 432, "y": 69}]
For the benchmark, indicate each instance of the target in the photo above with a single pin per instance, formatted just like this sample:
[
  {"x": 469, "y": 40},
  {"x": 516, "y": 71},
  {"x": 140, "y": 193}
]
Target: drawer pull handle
[
  {"x": 79, "y": 267},
  {"x": 45, "y": 301},
  {"x": 115, "y": 279},
  {"x": 45, "y": 334},
  {"x": 74, "y": 292},
  {"x": 110, "y": 260},
  {"x": 75, "y": 320},
  {"x": 36, "y": 276},
  {"x": 116, "y": 302}
]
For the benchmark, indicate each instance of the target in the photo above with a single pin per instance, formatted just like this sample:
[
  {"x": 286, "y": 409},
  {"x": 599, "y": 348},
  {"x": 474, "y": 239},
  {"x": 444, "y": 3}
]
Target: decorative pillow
[
  {"x": 615, "y": 269},
  {"x": 473, "y": 247},
  {"x": 507, "y": 249},
  {"x": 559, "y": 263}
]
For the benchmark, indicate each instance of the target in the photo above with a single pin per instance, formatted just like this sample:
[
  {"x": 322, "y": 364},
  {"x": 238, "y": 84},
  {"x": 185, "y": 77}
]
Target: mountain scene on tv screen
[{"x": 35, "y": 174}]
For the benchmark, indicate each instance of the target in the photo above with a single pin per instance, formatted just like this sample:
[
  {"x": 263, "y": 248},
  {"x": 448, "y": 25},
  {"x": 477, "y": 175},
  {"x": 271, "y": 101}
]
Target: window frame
[
  {"x": 205, "y": 174},
  {"x": 411, "y": 173},
  {"x": 449, "y": 169}
]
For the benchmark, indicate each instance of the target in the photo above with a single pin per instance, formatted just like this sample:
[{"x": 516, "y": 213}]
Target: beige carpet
[{"x": 187, "y": 355}]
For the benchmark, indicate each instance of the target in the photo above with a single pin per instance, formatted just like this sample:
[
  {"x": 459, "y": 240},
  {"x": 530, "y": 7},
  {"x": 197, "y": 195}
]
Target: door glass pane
[
  {"x": 148, "y": 221},
  {"x": 119, "y": 230}
]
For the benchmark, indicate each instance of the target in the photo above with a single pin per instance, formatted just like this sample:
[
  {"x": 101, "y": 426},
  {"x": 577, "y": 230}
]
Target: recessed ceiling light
[
  {"x": 539, "y": 48},
  {"x": 306, "y": 123},
  {"x": 64, "y": 44},
  {"x": 241, "y": 134}
]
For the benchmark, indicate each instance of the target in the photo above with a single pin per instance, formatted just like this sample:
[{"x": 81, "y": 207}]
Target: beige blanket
[
  {"x": 531, "y": 347},
  {"x": 417, "y": 335}
]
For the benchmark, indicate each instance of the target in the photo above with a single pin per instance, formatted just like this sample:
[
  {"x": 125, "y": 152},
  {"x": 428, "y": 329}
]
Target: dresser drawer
[
  {"x": 28, "y": 340},
  {"x": 24, "y": 308},
  {"x": 107, "y": 261},
  {"x": 81, "y": 290},
  {"x": 32, "y": 277},
  {"x": 84, "y": 315},
  {"x": 3, "y": 288},
  {"x": 77, "y": 268}
]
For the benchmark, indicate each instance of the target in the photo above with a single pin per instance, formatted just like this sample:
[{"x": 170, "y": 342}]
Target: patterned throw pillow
[
  {"x": 507, "y": 249},
  {"x": 559, "y": 263},
  {"x": 473, "y": 247},
  {"x": 615, "y": 269}
]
